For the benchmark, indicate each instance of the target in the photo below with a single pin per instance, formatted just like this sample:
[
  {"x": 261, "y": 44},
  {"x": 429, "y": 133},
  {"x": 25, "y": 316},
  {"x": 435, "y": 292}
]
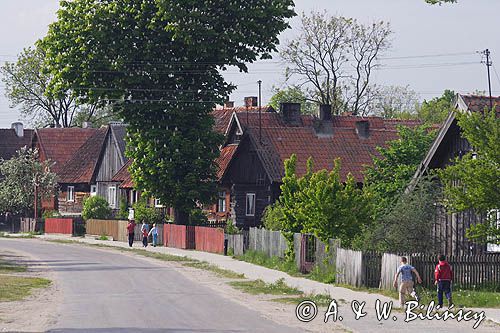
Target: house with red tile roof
[
  {"x": 14, "y": 138},
  {"x": 450, "y": 229},
  {"x": 257, "y": 146},
  {"x": 85, "y": 161}
]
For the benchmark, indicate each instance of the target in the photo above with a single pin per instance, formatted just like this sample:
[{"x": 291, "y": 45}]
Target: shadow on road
[{"x": 140, "y": 330}]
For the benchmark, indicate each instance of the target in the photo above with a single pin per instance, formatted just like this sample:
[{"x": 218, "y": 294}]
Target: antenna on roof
[
  {"x": 260, "y": 111},
  {"x": 488, "y": 63}
]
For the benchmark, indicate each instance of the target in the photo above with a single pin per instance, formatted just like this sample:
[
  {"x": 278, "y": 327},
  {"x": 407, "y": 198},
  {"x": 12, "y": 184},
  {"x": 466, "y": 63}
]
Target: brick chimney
[
  {"x": 18, "y": 128},
  {"x": 325, "y": 112},
  {"x": 363, "y": 129},
  {"x": 251, "y": 101},
  {"x": 229, "y": 104},
  {"x": 291, "y": 113}
]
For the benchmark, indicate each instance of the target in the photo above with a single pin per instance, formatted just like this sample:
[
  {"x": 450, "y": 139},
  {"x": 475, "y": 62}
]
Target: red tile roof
[
  {"x": 280, "y": 141},
  {"x": 480, "y": 103},
  {"x": 224, "y": 158},
  {"x": 222, "y": 116},
  {"x": 81, "y": 167},
  {"x": 10, "y": 142},
  {"x": 60, "y": 144},
  {"x": 123, "y": 176}
]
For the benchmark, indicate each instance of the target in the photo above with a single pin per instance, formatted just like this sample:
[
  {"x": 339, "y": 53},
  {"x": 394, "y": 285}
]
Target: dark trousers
[
  {"x": 444, "y": 287},
  {"x": 145, "y": 241},
  {"x": 130, "y": 239}
]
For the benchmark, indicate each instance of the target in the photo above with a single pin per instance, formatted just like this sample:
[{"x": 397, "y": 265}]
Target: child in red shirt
[{"x": 443, "y": 276}]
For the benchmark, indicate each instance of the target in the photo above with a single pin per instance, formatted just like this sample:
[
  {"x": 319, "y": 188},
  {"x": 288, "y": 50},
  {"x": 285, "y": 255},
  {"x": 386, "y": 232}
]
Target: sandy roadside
[{"x": 37, "y": 312}]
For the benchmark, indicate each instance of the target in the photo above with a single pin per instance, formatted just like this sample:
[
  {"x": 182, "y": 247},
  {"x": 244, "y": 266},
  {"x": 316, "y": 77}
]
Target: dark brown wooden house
[
  {"x": 262, "y": 143},
  {"x": 449, "y": 229}
]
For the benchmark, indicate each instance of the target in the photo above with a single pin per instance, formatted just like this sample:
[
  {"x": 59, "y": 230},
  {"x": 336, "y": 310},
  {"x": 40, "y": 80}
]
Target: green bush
[
  {"x": 273, "y": 217},
  {"x": 231, "y": 228},
  {"x": 123, "y": 212},
  {"x": 197, "y": 217},
  {"x": 50, "y": 213},
  {"x": 146, "y": 214},
  {"x": 96, "y": 207}
]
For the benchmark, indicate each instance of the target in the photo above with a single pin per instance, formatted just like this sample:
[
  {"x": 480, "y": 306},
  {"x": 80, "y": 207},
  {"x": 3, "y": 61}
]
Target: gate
[{"x": 307, "y": 253}]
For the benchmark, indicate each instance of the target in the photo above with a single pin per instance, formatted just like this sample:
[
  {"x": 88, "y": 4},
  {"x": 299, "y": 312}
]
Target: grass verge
[
  {"x": 8, "y": 267},
  {"x": 212, "y": 268},
  {"x": 15, "y": 288},
  {"x": 320, "y": 299},
  {"x": 260, "y": 287},
  {"x": 461, "y": 298},
  {"x": 289, "y": 267}
]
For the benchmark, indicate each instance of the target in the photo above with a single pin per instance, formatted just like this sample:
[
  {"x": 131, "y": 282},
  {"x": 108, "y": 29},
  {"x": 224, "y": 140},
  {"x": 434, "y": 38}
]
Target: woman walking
[
  {"x": 154, "y": 232},
  {"x": 130, "y": 230}
]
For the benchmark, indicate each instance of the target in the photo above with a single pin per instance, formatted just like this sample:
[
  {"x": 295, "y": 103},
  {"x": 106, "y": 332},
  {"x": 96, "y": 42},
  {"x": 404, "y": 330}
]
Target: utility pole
[
  {"x": 488, "y": 63},
  {"x": 260, "y": 110}
]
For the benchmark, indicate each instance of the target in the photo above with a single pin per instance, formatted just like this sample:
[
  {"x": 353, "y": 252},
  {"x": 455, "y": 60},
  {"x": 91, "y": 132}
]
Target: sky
[{"x": 433, "y": 47}]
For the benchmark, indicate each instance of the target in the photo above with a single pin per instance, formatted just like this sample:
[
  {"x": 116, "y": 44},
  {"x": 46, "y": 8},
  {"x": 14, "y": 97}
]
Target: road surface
[{"x": 106, "y": 291}]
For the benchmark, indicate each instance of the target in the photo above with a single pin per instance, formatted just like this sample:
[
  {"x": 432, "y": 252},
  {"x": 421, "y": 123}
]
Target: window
[
  {"x": 93, "y": 190},
  {"x": 158, "y": 203},
  {"x": 250, "y": 206},
  {"x": 221, "y": 202},
  {"x": 134, "y": 197},
  {"x": 495, "y": 215},
  {"x": 70, "y": 195},
  {"x": 112, "y": 197}
]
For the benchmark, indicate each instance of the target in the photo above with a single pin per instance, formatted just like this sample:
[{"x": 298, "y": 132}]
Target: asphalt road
[{"x": 108, "y": 292}]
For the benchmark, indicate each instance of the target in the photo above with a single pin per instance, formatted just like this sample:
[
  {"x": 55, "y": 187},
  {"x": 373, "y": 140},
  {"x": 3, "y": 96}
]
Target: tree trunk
[{"x": 181, "y": 217}]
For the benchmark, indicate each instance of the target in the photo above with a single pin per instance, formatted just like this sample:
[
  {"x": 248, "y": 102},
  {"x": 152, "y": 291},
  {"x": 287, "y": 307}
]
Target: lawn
[{"x": 15, "y": 288}]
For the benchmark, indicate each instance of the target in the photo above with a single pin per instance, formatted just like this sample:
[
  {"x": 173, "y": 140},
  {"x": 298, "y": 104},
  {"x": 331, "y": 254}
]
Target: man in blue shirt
[{"x": 406, "y": 286}]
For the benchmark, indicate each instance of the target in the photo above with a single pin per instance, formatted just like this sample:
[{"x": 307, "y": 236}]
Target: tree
[
  {"x": 26, "y": 87},
  {"x": 18, "y": 178},
  {"x": 95, "y": 207},
  {"x": 334, "y": 57},
  {"x": 437, "y": 109},
  {"x": 392, "y": 171},
  {"x": 407, "y": 225},
  {"x": 319, "y": 203},
  {"x": 292, "y": 94},
  {"x": 395, "y": 102},
  {"x": 473, "y": 181},
  {"x": 161, "y": 63}
]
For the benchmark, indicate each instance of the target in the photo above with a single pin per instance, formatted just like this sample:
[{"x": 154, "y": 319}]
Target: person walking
[
  {"x": 144, "y": 237},
  {"x": 406, "y": 286},
  {"x": 130, "y": 230},
  {"x": 154, "y": 232},
  {"x": 443, "y": 276}
]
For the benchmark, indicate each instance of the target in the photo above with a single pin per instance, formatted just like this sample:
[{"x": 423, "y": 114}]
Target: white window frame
[
  {"x": 250, "y": 209},
  {"x": 134, "y": 196},
  {"x": 158, "y": 203},
  {"x": 221, "y": 199},
  {"x": 112, "y": 197},
  {"x": 70, "y": 194},
  {"x": 93, "y": 190},
  {"x": 494, "y": 247}
]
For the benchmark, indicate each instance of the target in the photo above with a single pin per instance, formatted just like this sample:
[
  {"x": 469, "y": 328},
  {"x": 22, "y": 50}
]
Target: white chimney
[
  {"x": 86, "y": 124},
  {"x": 18, "y": 128}
]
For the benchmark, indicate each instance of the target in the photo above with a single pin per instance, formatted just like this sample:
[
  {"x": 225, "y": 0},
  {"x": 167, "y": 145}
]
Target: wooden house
[
  {"x": 450, "y": 229},
  {"x": 259, "y": 145},
  {"x": 14, "y": 138},
  {"x": 60, "y": 146}
]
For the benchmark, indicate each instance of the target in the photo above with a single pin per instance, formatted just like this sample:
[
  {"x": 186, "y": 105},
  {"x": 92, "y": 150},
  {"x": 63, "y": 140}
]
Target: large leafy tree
[
  {"x": 473, "y": 181},
  {"x": 437, "y": 109},
  {"x": 407, "y": 225},
  {"x": 26, "y": 84},
  {"x": 292, "y": 94},
  {"x": 320, "y": 203},
  {"x": 19, "y": 176},
  {"x": 162, "y": 61},
  {"x": 392, "y": 171}
]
